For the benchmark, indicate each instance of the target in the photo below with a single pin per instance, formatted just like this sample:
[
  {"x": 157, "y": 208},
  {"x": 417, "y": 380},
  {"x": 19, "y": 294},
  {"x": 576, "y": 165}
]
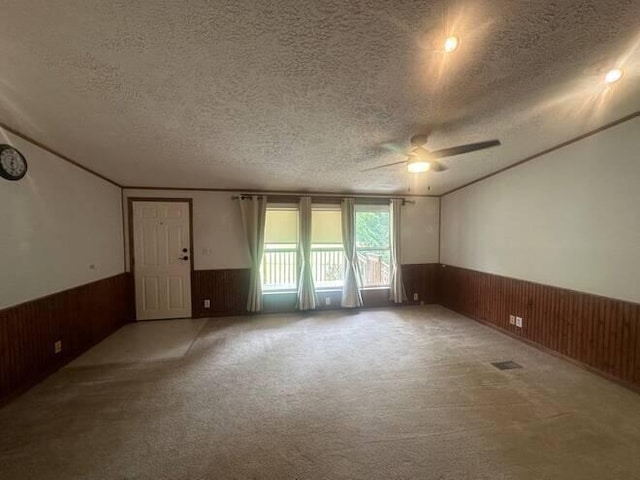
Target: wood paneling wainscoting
[
  {"x": 80, "y": 317},
  {"x": 228, "y": 290},
  {"x": 421, "y": 278},
  {"x": 600, "y": 333}
]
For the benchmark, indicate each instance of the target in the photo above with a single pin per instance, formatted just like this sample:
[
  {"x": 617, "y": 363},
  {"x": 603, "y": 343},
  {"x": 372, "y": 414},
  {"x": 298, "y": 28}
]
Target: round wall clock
[{"x": 13, "y": 166}]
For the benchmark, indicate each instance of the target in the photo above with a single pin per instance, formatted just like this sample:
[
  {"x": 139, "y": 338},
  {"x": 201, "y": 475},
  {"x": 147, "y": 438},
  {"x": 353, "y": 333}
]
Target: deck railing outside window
[
  {"x": 327, "y": 264},
  {"x": 374, "y": 266},
  {"x": 280, "y": 266}
]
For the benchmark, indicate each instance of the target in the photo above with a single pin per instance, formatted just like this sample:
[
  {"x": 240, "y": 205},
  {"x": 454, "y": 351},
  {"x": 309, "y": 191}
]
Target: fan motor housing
[{"x": 419, "y": 140}]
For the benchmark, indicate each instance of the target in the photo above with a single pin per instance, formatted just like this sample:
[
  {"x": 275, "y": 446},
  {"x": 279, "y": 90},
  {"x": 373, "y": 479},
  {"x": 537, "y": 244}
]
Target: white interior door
[{"x": 162, "y": 259}]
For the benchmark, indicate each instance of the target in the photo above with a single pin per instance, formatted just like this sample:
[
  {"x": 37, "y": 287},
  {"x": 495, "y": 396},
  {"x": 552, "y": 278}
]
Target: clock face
[{"x": 13, "y": 165}]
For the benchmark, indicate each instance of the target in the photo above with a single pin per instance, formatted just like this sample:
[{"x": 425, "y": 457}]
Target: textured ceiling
[{"x": 300, "y": 94}]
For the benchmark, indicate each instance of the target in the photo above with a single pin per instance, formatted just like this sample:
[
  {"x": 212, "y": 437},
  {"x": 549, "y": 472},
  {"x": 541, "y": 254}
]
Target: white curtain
[
  {"x": 253, "y": 210},
  {"x": 351, "y": 296},
  {"x": 396, "y": 293},
  {"x": 306, "y": 288}
]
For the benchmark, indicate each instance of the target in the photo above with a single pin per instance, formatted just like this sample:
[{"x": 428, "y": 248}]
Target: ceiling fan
[{"x": 421, "y": 160}]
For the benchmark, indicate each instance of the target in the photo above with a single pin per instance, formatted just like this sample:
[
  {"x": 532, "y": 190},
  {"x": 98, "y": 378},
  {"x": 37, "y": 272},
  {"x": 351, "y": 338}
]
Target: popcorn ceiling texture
[{"x": 296, "y": 94}]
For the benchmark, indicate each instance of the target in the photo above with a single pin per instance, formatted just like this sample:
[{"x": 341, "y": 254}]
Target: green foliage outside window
[
  {"x": 372, "y": 229},
  {"x": 372, "y": 234}
]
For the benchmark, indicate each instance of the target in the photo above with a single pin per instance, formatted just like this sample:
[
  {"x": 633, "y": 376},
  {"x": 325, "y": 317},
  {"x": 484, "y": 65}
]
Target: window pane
[
  {"x": 326, "y": 226},
  {"x": 372, "y": 245},
  {"x": 280, "y": 261},
  {"x": 372, "y": 228},
  {"x": 281, "y": 226},
  {"x": 327, "y": 254}
]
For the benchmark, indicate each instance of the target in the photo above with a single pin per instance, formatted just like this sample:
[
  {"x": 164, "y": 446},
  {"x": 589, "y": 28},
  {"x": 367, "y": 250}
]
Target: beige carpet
[{"x": 378, "y": 394}]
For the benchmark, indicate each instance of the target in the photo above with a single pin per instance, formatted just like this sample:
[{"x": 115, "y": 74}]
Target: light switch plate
[{"x": 519, "y": 322}]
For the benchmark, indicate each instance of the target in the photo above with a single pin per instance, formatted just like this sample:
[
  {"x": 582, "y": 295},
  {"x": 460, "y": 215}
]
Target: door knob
[{"x": 184, "y": 258}]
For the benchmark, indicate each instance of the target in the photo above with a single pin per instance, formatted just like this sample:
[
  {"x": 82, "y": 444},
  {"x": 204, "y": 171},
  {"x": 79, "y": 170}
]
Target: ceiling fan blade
[
  {"x": 394, "y": 147},
  {"x": 384, "y": 166},
  {"x": 437, "y": 166},
  {"x": 460, "y": 149}
]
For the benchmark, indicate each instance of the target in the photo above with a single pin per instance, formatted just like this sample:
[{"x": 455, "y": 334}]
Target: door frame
[{"x": 130, "y": 202}]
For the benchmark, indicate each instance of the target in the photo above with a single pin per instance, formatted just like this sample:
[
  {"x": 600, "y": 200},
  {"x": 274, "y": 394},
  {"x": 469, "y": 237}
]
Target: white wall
[
  {"x": 218, "y": 237},
  {"x": 420, "y": 231},
  {"x": 569, "y": 219},
  {"x": 54, "y": 224},
  {"x": 219, "y": 240}
]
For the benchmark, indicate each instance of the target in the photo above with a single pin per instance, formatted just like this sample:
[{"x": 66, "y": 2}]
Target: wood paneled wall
[
  {"x": 79, "y": 317},
  {"x": 600, "y": 333},
  {"x": 421, "y": 278},
  {"x": 228, "y": 291}
]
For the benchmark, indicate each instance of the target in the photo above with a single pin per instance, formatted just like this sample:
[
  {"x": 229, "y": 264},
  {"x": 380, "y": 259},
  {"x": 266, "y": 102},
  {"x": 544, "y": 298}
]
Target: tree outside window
[{"x": 372, "y": 244}]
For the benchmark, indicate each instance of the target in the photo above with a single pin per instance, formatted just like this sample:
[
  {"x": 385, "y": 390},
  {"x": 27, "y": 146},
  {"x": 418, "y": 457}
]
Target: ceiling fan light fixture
[
  {"x": 451, "y": 43},
  {"x": 613, "y": 76},
  {"x": 418, "y": 166}
]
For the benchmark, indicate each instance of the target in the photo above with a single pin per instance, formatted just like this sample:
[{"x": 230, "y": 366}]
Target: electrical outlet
[
  {"x": 57, "y": 346},
  {"x": 519, "y": 322},
  {"x": 327, "y": 300},
  {"x": 512, "y": 319},
  {"x": 415, "y": 297},
  {"x": 207, "y": 303}
]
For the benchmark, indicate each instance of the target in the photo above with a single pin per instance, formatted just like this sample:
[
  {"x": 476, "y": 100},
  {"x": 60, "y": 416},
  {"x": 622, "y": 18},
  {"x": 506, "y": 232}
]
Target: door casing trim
[{"x": 130, "y": 202}]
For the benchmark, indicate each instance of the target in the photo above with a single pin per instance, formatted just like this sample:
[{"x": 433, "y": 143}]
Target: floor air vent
[{"x": 506, "y": 365}]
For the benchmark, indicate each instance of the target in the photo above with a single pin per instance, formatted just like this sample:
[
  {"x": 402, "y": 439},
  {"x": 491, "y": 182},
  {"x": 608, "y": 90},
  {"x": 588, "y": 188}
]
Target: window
[
  {"x": 280, "y": 260},
  {"x": 281, "y": 263},
  {"x": 327, "y": 253},
  {"x": 372, "y": 244}
]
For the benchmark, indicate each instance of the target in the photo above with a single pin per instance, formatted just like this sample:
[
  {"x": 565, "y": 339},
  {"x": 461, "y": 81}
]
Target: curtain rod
[
  {"x": 381, "y": 197},
  {"x": 243, "y": 196}
]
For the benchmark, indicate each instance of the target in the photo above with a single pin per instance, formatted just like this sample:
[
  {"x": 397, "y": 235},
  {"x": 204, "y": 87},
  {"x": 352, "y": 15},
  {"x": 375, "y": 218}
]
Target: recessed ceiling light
[
  {"x": 418, "y": 166},
  {"x": 451, "y": 43},
  {"x": 613, "y": 76}
]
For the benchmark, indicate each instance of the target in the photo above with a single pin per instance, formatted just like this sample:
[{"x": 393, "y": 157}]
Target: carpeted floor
[{"x": 378, "y": 394}]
